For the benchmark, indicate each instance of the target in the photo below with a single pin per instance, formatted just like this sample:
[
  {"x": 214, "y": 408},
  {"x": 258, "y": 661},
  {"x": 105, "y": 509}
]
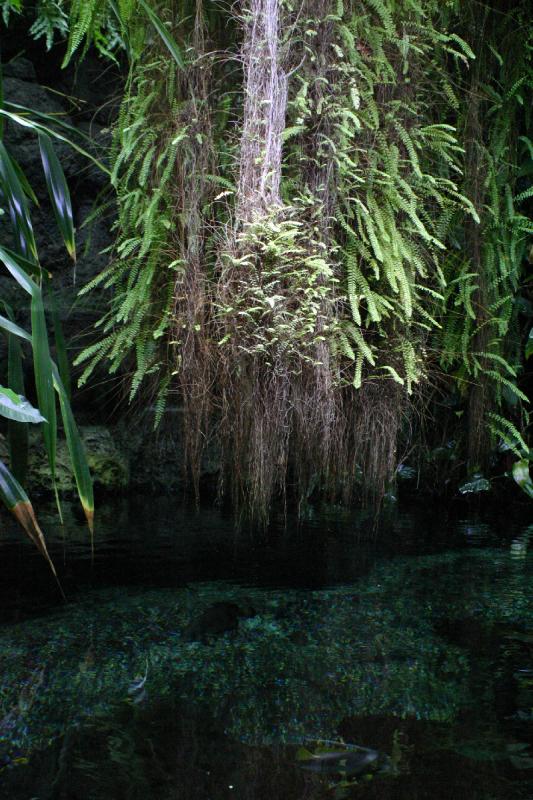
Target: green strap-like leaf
[
  {"x": 17, "y": 432},
  {"x": 50, "y": 119},
  {"x": 42, "y": 361},
  {"x": 15, "y": 407},
  {"x": 11, "y": 327},
  {"x": 12, "y": 262},
  {"x": 168, "y": 40},
  {"x": 1, "y": 101},
  {"x": 61, "y": 347},
  {"x": 44, "y": 383},
  {"x": 18, "y": 206},
  {"x": 24, "y": 182},
  {"x": 37, "y": 127},
  {"x": 9, "y": 257},
  {"x": 17, "y": 501},
  {"x": 78, "y": 458},
  {"x": 58, "y": 191},
  {"x": 76, "y": 450}
]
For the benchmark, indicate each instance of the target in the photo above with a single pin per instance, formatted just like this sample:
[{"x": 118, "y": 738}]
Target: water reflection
[{"x": 196, "y": 664}]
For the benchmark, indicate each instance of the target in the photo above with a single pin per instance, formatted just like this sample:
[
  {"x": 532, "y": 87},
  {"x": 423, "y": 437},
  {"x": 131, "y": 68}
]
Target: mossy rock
[{"x": 109, "y": 465}]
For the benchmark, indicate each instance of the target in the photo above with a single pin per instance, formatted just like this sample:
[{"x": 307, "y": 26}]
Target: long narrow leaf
[
  {"x": 18, "y": 206},
  {"x": 37, "y": 127},
  {"x": 167, "y": 39},
  {"x": 17, "y": 432},
  {"x": 50, "y": 119},
  {"x": 11, "y": 327},
  {"x": 24, "y": 182},
  {"x": 44, "y": 383},
  {"x": 58, "y": 191},
  {"x": 2, "y": 101},
  {"x": 76, "y": 450},
  {"x": 17, "y": 501},
  {"x": 61, "y": 347},
  {"x": 21, "y": 268},
  {"x": 78, "y": 458},
  {"x": 42, "y": 361},
  {"x": 15, "y": 407}
]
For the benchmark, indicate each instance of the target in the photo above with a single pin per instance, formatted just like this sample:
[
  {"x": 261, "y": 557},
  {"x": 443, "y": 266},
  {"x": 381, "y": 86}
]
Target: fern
[
  {"x": 51, "y": 21},
  {"x": 510, "y": 435},
  {"x": 400, "y": 247},
  {"x": 83, "y": 18}
]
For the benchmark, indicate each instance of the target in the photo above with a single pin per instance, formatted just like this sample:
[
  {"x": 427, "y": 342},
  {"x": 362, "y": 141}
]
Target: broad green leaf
[
  {"x": 17, "y": 204},
  {"x": 167, "y": 39},
  {"x": 17, "y": 501},
  {"x": 522, "y": 476},
  {"x": 76, "y": 450},
  {"x": 58, "y": 191},
  {"x": 15, "y": 407}
]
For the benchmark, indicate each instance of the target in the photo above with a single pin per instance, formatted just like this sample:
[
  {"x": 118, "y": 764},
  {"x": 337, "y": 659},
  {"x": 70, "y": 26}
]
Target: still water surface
[{"x": 321, "y": 660}]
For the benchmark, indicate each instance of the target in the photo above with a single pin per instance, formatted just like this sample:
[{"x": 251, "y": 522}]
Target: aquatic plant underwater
[{"x": 288, "y": 672}]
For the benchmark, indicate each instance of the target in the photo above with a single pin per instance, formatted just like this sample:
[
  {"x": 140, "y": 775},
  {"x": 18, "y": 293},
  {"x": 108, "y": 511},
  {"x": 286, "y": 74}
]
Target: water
[{"x": 194, "y": 662}]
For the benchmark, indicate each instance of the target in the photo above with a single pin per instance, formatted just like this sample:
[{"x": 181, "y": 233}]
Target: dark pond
[{"x": 325, "y": 660}]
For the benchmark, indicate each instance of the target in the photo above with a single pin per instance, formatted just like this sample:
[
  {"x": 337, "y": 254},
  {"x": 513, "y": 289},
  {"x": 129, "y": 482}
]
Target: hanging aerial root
[
  {"x": 380, "y": 412},
  {"x": 265, "y": 103}
]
